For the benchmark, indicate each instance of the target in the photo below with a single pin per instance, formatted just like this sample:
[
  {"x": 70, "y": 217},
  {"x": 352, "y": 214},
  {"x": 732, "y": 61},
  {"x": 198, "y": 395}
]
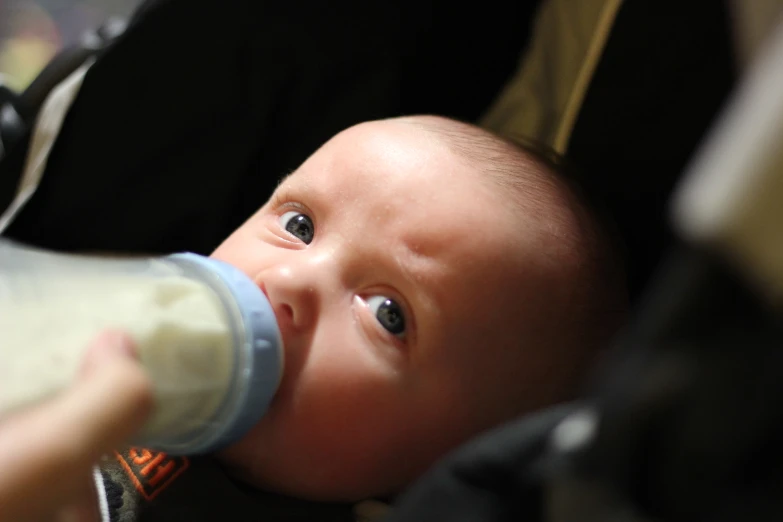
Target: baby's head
[{"x": 430, "y": 281}]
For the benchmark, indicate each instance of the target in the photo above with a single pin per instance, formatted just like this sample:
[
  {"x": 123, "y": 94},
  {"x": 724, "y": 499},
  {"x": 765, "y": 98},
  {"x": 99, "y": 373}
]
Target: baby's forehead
[{"x": 388, "y": 160}]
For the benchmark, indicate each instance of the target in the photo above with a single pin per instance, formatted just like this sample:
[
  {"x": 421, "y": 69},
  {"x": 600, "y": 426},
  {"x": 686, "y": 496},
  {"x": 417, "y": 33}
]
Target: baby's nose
[{"x": 293, "y": 295}]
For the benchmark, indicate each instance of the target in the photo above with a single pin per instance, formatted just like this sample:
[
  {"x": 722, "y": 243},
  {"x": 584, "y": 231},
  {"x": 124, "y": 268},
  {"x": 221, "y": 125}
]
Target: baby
[{"x": 430, "y": 280}]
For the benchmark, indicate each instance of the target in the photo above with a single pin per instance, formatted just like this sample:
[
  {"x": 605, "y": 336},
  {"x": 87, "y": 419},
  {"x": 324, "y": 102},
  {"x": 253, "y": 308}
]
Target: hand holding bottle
[{"x": 47, "y": 453}]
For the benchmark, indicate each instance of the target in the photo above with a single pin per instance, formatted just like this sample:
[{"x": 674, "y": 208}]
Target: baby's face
[{"x": 394, "y": 275}]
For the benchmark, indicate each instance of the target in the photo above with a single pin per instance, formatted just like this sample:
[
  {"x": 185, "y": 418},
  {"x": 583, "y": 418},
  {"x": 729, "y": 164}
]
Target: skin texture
[{"x": 396, "y": 215}]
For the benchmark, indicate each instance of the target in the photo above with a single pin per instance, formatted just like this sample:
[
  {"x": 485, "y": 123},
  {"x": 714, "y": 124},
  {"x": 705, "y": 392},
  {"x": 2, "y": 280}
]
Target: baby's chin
[
  {"x": 329, "y": 482},
  {"x": 287, "y": 455}
]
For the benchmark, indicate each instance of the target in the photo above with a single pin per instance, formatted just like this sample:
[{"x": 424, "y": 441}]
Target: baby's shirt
[{"x": 138, "y": 485}]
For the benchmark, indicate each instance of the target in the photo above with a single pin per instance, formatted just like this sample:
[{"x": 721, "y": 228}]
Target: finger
[
  {"x": 41, "y": 449},
  {"x": 109, "y": 345},
  {"x": 116, "y": 396}
]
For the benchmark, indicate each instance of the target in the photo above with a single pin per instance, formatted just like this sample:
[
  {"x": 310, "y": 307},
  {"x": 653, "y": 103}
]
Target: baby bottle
[{"x": 204, "y": 332}]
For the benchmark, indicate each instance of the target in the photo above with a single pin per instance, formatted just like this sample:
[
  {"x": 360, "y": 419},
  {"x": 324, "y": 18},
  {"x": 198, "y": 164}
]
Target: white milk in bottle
[{"x": 204, "y": 332}]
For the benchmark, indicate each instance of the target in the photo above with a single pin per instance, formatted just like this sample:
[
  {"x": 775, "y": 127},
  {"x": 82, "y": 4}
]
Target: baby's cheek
[
  {"x": 340, "y": 403},
  {"x": 331, "y": 397}
]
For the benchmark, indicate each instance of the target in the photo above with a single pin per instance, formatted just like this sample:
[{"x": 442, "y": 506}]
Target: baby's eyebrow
[
  {"x": 414, "y": 266},
  {"x": 282, "y": 179},
  {"x": 301, "y": 184},
  {"x": 284, "y": 191}
]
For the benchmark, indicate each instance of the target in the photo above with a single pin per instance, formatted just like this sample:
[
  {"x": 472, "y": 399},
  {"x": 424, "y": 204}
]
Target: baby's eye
[
  {"x": 388, "y": 313},
  {"x": 298, "y": 225}
]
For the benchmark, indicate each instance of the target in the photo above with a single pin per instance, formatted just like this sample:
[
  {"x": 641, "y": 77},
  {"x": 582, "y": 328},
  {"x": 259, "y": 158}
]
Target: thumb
[{"x": 109, "y": 347}]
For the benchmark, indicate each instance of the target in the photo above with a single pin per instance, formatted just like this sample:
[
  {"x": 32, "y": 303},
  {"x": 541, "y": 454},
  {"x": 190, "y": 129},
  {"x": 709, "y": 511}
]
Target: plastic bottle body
[{"x": 191, "y": 331}]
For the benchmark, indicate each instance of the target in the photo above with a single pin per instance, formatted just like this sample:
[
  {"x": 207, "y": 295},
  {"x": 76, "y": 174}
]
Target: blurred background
[{"x": 31, "y": 31}]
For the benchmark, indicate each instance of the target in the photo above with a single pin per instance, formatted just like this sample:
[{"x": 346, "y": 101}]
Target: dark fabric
[
  {"x": 183, "y": 128},
  {"x": 664, "y": 75},
  {"x": 204, "y": 493},
  {"x": 11, "y": 166},
  {"x": 495, "y": 478}
]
